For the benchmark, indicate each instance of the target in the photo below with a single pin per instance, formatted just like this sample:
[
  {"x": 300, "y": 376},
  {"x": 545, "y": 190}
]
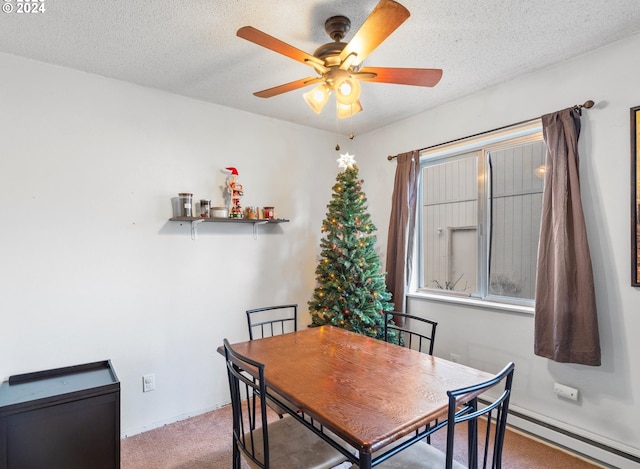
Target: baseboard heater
[{"x": 607, "y": 454}]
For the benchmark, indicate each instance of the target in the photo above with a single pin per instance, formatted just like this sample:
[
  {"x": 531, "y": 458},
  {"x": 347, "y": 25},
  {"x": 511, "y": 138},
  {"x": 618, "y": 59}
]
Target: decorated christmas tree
[{"x": 351, "y": 291}]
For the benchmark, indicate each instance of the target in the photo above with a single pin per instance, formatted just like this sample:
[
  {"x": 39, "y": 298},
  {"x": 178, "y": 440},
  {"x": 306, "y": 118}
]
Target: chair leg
[
  {"x": 472, "y": 430},
  {"x": 236, "y": 455}
]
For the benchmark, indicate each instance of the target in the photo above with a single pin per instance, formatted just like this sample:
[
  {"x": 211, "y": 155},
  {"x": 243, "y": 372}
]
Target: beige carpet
[{"x": 204, "y": 442}]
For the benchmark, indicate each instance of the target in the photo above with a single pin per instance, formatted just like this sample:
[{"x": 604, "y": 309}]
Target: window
[{"x": 480, "y": 215}]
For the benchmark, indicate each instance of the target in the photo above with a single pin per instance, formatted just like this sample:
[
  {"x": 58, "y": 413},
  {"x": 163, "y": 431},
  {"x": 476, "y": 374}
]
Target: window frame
[{"x": 482, "y": 144}]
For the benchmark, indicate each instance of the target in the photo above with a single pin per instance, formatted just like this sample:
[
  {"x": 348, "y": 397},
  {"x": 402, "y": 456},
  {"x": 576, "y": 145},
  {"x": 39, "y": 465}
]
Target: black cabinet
[{"x": 67, "y": 418}]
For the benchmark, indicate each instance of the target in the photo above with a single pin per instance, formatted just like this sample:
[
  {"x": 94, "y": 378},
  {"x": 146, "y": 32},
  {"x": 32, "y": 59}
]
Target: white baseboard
[{"x": 601, "y": 450}]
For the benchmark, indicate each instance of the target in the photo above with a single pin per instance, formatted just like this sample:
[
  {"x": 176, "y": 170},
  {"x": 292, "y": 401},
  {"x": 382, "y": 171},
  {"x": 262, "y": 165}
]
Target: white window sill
[{"x": 475, "y": 302}]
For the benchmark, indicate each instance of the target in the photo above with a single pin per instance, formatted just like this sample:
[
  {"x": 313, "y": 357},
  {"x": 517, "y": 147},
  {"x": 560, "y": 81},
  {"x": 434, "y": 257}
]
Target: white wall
[
  {"x": 90, "y": 266},
  {"x": 608, "y": 408},
  {"x": 91, "y": 269}
]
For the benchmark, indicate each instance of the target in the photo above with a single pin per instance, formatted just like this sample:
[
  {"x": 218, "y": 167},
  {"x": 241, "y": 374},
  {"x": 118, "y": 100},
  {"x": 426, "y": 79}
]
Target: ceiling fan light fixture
[
  {"x": 317, "y": 97},
  {"x": 339, "y": 65},
  {"x": 347, "y": 89},
  {"x": 348, "y": 110}
]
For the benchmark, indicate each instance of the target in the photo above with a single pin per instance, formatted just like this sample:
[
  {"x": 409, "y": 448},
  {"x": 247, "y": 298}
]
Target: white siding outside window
[
  {"x": 480, "y": 215},
  {"x": 450, "y": 220},
  {"x": 515, "y": 219}
]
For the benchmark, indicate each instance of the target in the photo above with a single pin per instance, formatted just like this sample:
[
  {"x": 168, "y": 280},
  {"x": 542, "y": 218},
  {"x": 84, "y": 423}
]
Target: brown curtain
[
  {"x": 401, "y": 227},
  {"x": 566, "y": 323}
]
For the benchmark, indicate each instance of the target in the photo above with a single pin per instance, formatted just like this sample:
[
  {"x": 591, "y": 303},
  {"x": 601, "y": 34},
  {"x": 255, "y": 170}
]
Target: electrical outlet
[
  {"x": 455, "y": 358},
  {"x": 148, "y": 382},
  {"x": 565, "y": 391}
]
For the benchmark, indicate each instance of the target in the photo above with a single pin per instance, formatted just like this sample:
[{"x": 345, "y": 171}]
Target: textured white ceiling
[{"x": 189, "y": 47}]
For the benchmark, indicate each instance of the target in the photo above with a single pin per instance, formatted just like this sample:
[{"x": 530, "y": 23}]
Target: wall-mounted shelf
[
  {"x": 254, "y": 221},
  {"x": 231, "y": 220}
]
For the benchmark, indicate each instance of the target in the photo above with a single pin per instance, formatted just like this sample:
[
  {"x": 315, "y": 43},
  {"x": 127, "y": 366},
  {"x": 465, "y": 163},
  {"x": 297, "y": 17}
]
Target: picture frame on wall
[{"x": 635, "y": 196}]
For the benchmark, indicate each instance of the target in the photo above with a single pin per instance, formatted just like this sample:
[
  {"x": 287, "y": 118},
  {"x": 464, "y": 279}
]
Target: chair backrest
[
  {"x": 493, "y": 415},
  {"x": 272, "y": 320},
  {"x": 410, "y": 331},
  {"x": 248, "y": 399}
]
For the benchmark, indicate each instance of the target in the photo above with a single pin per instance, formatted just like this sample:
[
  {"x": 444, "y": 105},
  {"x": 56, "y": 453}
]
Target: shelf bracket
[
  {"x": 194, "y": 230},
  {"x": 255, "y": 228}
]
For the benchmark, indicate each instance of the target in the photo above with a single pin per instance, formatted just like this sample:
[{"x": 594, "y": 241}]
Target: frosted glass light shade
[
  {"x": 347, "y": 110},
  {"x": 317, "y": 97},
  {"x": 347, "y": 90}
]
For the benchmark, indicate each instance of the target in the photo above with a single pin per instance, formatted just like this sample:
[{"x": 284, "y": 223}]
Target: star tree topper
[{"x": 346, "y": 161}]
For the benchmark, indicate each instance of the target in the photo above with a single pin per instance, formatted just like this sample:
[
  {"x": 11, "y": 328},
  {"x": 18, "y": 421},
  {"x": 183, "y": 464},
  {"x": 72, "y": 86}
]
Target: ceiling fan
[{"x": 339, "y": 65}]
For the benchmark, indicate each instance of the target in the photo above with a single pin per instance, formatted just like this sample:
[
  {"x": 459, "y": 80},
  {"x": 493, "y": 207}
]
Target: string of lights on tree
[{"x": 351, "y": 292}]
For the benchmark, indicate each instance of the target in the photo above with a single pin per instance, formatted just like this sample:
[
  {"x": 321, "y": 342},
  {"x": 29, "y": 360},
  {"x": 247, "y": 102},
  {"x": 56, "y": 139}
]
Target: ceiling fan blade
[
  {"x": 263, "y": 39},
  {"x": 294, "y": 85},
  {"x": 383, "y": 20},
  {"x": 401, "y": 76}
]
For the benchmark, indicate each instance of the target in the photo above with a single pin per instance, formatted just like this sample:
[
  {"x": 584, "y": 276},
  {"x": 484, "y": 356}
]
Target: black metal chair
[
  {"x": 269, "y": 321},
  {"x": 414, "y": 332},
  {"x": 281, "y": 444},
  {"x": 272, "y": 320},
  {"x": 493, "y": 421}
]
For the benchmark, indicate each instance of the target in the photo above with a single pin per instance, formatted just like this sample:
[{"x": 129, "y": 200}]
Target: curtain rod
[{"x": 587, "y": 105}]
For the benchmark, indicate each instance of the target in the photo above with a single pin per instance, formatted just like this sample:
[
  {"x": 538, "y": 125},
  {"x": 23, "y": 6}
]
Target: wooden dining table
[{"x": 367, "y": 392}]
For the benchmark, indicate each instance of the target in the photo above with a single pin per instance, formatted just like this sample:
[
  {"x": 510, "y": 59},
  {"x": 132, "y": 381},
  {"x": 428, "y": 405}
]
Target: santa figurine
[{"x": 235, "y": 192}]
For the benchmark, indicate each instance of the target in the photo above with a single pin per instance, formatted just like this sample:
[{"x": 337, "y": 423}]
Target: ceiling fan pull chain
[
  {"x": 337, "y": 134},
  {"x": 351, "y": 134}
]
